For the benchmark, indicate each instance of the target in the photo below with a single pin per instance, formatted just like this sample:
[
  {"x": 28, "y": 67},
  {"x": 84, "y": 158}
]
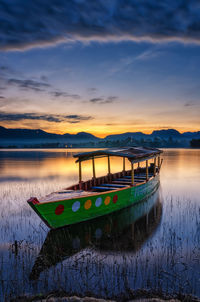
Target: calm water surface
[{"x": 155, "y": 244}]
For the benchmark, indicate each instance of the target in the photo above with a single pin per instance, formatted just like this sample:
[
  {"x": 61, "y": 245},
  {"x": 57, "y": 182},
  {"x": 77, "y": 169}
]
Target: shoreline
[
  {"x": 131, "y": 296},
  {"x": 74, "y": 148}
]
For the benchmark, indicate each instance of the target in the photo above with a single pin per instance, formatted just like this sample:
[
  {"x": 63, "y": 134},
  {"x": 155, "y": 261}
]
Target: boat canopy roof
[{"x": 134, "y": 154}]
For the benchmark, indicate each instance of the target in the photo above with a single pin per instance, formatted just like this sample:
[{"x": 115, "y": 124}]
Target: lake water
[{"x": 153, "y": 245}]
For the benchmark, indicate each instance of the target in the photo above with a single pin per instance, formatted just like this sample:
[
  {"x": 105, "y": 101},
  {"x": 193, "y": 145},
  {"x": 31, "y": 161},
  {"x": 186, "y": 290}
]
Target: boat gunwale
[{"x": 96, "y": 193}]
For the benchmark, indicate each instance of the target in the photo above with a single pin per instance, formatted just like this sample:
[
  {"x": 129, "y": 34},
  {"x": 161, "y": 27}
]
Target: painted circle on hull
[
  {"x": 88, "y": 204},
  {"x": 115, "y": 198},
  {"x": 76, "y": 206},
  {"x": 98, "y": 202},
  {"x": 59, "y": 209},
  {"x": 107, "y": 200}
]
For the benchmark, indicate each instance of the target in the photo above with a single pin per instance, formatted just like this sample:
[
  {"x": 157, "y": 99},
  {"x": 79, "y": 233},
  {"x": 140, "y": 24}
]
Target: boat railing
[{"x": 110, "y": 177}]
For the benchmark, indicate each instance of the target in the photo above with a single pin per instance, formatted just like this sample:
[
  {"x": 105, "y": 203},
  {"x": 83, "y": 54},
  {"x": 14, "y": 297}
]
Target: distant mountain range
[
  {"x": 161, "y": 134},
  {"x": 40, "y": 134},
  {"x": 38, "y": 137}
]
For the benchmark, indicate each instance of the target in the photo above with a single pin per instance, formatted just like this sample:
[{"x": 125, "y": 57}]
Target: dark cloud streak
[
  {"x": 28, "y": 84},
  {"x": 31, "y": 84},
  {"x": 6, "y": 116},
  {"x": 102, "y": 101},
  {"x": 58, "y": 94},
  {"x": 96, "y": 100},
  {"x": 28, "y": 116},
  {"x": 92, "y": 90},
  {"x": 74, "y": 118},
  {"x": 25, "y": 24}
]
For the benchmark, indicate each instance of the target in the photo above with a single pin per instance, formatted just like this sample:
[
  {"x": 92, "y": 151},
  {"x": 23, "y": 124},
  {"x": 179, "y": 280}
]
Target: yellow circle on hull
[
  {"x": 88, "y": 204},
  {"x": 107, "y": 200}
]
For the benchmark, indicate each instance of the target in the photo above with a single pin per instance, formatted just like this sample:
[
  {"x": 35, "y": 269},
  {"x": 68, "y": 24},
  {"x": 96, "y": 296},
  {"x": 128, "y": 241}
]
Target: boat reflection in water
[{"x": 125, "y": 230}]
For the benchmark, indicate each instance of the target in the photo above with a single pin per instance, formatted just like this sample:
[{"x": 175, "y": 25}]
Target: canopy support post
[
  {"x": 109, "y": 174},
  {"x": 80, "y": 176},
  {"x": 138, "y": 165},
  {"x": 132, "y": 174},
  {"x": 147, "y": 171},
  {"x": 124, "y": 165},
  {"x": 158, "y": 162},
  {"x": 108, "y": 164},
  {"x": 93, "y": 168},
  {"x": 154, "y": 168}
]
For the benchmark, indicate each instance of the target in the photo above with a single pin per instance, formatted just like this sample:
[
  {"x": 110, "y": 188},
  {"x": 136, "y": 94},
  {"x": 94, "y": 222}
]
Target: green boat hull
[{"x": 61, "y": 213}]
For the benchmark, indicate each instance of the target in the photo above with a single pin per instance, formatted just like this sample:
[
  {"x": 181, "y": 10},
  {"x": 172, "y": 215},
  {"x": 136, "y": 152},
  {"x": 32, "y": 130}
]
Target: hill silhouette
[{"x": 29, "y": 138}]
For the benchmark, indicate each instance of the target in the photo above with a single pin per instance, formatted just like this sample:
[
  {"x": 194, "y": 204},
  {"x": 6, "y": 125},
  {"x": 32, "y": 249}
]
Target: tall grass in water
[{"x": 167, "y": 261}]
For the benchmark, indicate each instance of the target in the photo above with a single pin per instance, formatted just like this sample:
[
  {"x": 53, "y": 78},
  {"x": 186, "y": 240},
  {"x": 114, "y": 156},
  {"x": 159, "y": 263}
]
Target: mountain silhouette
[{"x": 38, "y": 138}]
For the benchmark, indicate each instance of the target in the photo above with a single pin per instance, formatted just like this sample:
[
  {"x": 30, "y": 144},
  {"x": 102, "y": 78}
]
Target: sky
[{"x": 104, "y": 67}]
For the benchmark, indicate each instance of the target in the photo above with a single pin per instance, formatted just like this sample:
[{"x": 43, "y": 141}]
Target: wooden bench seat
[
  {"x": 129, "y": 180},
  {"x": 138, "y": 176},
  {"x": 114, "y": 185},
  {"x": 103, "y": 188},
  {"x": 121, "y": 182}
]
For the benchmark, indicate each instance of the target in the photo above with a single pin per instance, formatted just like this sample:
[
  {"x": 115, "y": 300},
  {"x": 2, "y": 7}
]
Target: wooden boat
[
  {"x": 124, "y": 230},
  {"x": 103, "y": 195}
]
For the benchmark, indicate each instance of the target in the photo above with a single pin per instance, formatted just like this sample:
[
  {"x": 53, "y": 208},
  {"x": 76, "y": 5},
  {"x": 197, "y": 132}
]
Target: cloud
[
  {"x": 39, "y": 85},
  {"x": 6, "y": 77},
  {"x": 191, "y": 104},
  {"x": 58, "y": 94},
  {"x": 125, "y": 62},
  {"x": 112, "y": 98},
  {"x": 111, "y": 124},
  {"x": 44, "y": 78},
  {"x": 96, "y": 100},
  {"x": 28, "y": 116},
  {"x": 188, "y": 104},
  {"x": 101, "y": 100},
  {"x": 7, "y": 71},
  {"x": 2, "y": 97},
  {"x": 92, "y": 90},
  {"x": 26, "y": 24},
  {"x": 6, "y": 116},
  {"x": 74, "y": 118},
  {"x": 28, "y": 84},
  {"x": 4, "y": 68}
]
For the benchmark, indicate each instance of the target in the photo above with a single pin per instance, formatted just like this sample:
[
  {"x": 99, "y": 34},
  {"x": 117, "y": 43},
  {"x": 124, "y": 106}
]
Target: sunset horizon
[
  {"x": 105, "y": 133},
  {"x": 105, "y": 74}
]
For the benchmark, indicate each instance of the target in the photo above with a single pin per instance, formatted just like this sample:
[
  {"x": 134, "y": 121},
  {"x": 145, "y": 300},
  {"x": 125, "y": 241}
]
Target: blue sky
[{"x": 100, "y": 66}]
